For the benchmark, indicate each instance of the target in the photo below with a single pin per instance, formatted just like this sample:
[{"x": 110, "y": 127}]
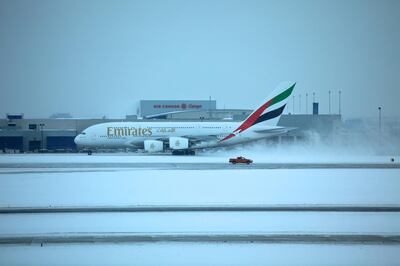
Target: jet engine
[
  {"x": 177, "y": 143},
  {"x": 153, "y": 145}
]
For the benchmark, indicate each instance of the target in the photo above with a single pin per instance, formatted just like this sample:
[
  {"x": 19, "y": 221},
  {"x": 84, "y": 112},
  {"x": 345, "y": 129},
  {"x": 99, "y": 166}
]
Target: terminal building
[{"x": 20, "y": 134}]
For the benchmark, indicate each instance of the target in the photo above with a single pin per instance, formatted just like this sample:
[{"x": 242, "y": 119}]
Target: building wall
[
  {"x": 324, "y": 125},
  {"x": 36, "y": 132},
  {"x": 220, "y": 114}
]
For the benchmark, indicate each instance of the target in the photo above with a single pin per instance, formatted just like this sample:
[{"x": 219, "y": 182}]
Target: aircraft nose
[{"x": 76, "y": 139}]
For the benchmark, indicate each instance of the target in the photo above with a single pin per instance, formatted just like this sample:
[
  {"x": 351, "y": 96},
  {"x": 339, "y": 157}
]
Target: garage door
[
  {"x": 13, "y": 143},
  {"x": 60, "y": 143}
]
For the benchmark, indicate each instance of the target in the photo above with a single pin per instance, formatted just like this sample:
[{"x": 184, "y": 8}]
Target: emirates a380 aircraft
[{"x": 186, "y": 137}]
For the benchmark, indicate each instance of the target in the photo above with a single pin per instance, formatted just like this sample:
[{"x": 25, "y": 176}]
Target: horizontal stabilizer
[{"x": 275, "y": 130}]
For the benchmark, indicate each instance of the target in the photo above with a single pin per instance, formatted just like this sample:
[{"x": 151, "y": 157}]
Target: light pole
[
  {"x": 299, "y": 103},
  {"x": 380, "y": 119},
  {"x": 306, "y": 103},
  {"x": 209, "y": 108},
  {"x": 329, "y": 102},
  {"x": 340, "y": 111},
  {"x": 293, "y": 104},
  {"x": 41, "y": 134}
]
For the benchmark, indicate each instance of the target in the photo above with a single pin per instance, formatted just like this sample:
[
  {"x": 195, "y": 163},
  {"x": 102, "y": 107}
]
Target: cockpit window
[{"x": 83, "y": 133}]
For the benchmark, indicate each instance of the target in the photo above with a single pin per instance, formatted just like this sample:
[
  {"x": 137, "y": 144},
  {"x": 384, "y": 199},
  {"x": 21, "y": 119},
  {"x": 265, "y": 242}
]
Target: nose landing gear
[{"x": 183, "y": 152}]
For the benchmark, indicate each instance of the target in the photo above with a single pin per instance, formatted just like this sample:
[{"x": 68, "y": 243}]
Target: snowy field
[
  {"x": 203, "y": 222},
  {"x": 207, "y": 157},
  {"x": 116, "y": 186},
  {"x": 179, "y": 187},
  {"x": 200, "y": 254}
]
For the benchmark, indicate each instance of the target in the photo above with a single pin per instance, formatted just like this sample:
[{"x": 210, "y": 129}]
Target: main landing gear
[{"x": 183, "y": 152}]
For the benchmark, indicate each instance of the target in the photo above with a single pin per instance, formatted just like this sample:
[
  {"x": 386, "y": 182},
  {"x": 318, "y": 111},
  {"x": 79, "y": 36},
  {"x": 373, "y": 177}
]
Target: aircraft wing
[
  {"x": 196, "y": 139},
  {"x": 193, "y": 139}
]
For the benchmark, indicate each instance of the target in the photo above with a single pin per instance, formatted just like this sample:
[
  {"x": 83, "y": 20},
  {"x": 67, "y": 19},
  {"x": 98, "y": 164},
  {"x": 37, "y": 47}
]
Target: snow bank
[{"x": 179, "y": 187}]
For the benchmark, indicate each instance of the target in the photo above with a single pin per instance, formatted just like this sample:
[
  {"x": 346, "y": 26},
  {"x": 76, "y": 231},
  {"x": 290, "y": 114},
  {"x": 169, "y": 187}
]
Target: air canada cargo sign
[
  {"x": 182, "y": 106},
  {"x": 151, "y": 107}
]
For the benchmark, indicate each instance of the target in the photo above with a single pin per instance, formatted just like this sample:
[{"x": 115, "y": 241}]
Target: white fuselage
[{"x": 201, "y": 134}]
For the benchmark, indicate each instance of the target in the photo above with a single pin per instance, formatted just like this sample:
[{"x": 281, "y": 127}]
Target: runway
[
  {"x": 71, "y": 167},
  {"x": 163, "y": 203},
  {"x": 120, "y": 226},
  {"x": 199, "y": 208},
  {"x": 80, "y": 238}
]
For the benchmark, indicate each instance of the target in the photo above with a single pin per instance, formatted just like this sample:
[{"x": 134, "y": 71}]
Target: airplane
[{"x": 183, "y": 138}]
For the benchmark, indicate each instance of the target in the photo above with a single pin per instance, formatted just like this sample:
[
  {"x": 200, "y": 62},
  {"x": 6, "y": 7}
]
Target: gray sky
[{"x": 94, "y": 58}]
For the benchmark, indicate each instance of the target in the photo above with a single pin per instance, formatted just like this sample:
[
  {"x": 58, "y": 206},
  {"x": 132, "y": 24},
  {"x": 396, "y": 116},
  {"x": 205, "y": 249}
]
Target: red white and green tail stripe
[{"x": 269, "y": 112}]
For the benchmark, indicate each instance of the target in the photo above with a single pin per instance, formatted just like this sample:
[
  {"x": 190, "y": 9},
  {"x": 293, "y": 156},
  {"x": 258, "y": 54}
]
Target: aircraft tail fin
[{"x": 270, "y": 111}]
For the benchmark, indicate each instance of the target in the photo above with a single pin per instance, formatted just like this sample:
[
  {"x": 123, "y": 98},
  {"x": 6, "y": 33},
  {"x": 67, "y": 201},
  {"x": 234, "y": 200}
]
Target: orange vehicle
[{"x": 240, "y": 159}]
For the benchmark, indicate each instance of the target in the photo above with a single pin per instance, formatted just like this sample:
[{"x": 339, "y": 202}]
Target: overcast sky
[{"x": 95, "y": 58}]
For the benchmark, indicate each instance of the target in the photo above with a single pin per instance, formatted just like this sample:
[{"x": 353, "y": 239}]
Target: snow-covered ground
[
  {"x": 203, "y": 222},
  {"x": 124, "y": 186},
  {"x": 208, "y": 157},
  {"x": 200, "y": 254},
  {"x": 179, "y": 187}
]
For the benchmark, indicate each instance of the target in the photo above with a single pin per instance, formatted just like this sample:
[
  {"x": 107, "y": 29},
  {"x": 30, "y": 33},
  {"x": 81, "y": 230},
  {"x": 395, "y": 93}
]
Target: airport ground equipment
[{"x": 240, "y": 159}]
